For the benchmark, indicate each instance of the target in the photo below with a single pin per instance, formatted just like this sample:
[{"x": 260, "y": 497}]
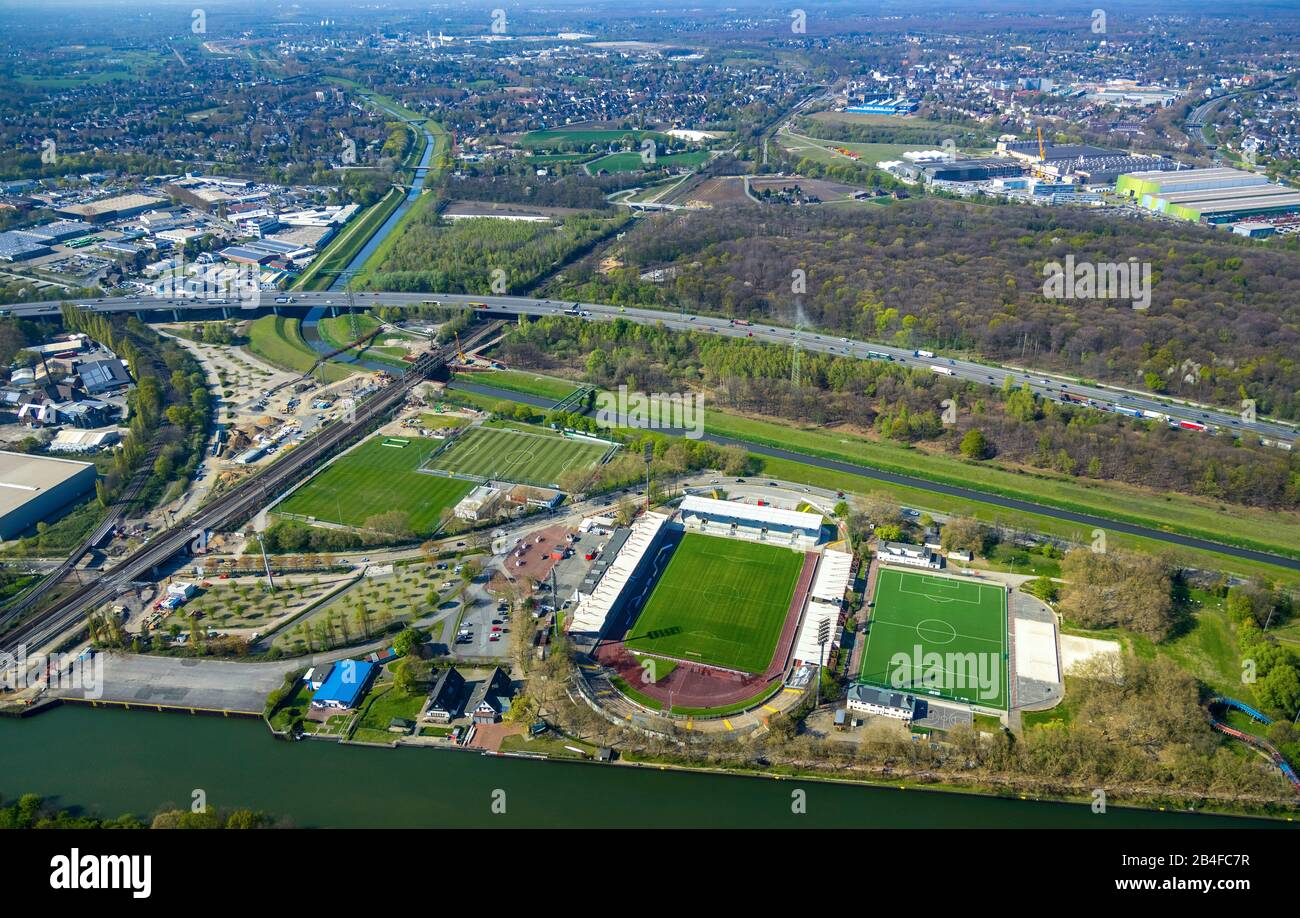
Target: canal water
[{"x": 107, "y": 762}]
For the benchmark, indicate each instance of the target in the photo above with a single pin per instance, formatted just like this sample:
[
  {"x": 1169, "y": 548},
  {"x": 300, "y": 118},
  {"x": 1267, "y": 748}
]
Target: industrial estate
[{"x": 891, "y": 401}]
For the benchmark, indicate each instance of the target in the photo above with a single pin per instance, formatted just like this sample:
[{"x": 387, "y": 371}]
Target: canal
[{"x": 107, "y": 762}]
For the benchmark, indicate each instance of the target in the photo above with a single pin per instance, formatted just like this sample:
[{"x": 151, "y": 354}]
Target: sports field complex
[
  {"x": 938, "y": 635},
  {"x": 380, "y": 475},
  {"x": 520, "y": 456}
]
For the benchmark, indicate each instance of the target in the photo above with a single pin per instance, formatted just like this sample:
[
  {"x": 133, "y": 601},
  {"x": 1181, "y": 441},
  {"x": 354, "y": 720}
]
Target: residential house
[
  {"x": 444, "y": 700},
  {"x": 490, "y": 698}
]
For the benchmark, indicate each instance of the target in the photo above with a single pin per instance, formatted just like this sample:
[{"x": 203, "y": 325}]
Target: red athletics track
[{"x": 693, "y": 685}]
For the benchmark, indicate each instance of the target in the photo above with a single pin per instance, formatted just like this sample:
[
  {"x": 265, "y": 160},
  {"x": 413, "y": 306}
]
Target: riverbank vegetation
[{"x": 31, "y": 811}]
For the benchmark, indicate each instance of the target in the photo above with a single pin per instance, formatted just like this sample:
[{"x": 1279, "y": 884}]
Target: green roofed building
[{"x": 1213, "y": 196}]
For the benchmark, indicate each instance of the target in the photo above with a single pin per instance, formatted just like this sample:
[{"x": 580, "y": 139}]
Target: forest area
[
  {"x": 462, "y": 256},
  {"x": 1223, "y": 322}
]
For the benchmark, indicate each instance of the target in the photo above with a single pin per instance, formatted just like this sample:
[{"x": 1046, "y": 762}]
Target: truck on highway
[
  {"x": 922, "y": 353},
  {"x": 1193, "y": 425},
  {"x": 946, "y": 371},
  {"x": 744, "y": 322},
  {"x": 572, "y": 311},
  {"x": 879, "y": 355}
]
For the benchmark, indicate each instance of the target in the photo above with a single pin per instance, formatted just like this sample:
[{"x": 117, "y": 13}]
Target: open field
[
  {"x": 720, "y": 601},
  {"x": 631, "y": 161},
  {"x": 515, "y": 455},
  {"x": 375, "y": 478},
  {"x": 536, "y": 140},
  {"x": 954, "y": 630},
  {"x": 279, "y": 342},
  {"x": 522, "y": 381},
  {"x": 827, "y": 151}
]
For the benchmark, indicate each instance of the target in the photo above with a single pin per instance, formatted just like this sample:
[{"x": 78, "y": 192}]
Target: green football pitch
[
  {"x": 523, "y": 457},
  {"x": 720, "y": 601},
  {"x": 376, "y": 478},
  {"x": 937, "y": 635}
]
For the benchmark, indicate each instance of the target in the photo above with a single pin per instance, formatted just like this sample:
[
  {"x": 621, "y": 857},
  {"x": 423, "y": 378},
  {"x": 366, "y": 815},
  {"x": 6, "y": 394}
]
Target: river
[{"x": 107, "y": 762}]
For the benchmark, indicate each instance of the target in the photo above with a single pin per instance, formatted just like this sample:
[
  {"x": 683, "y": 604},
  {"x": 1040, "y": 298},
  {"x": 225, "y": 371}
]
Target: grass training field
[
  {"x": 632, "y": 162},
  {"x": 519, "y": 456},
  {"x": 376, "y": 478},
  {"x": 959, "y": 626},
  {"x": 585, "y": 136},
  {"x": 720, "y": 601}
]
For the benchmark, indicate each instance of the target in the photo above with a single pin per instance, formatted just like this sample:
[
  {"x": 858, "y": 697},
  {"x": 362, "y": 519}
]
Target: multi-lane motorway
[{"x": 1199, "y": 418}]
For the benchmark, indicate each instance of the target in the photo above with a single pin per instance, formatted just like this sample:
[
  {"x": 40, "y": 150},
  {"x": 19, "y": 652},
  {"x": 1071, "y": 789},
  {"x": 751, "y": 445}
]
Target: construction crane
[{"x": 1042, "y": 149}]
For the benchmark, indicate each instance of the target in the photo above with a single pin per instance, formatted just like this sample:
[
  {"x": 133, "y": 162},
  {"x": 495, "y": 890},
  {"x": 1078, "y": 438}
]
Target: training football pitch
[
  {"x": 720, "y": 601},
  {"x": 376, "y": 478},
  {"x": 522, "y": 457},
  {"x": 951, "y": 632}
]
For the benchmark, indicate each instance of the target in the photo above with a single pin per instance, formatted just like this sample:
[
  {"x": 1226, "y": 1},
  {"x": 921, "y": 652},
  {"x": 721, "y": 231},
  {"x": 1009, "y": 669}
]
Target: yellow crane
[{"x": 1042, "y": 149}]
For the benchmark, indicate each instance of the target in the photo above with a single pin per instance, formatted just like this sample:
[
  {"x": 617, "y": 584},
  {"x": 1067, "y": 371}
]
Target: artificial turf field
[
  {"x": 523, "y": 457},
  {"x": 940, "y": 615},
  {"x": 720, "y": 601},
  {"x": 375, "y": 478}
]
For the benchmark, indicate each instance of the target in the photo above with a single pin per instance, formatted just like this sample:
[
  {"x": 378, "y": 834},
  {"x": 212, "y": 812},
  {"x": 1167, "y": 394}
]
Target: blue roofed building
[{"x": 344, "y": 687}]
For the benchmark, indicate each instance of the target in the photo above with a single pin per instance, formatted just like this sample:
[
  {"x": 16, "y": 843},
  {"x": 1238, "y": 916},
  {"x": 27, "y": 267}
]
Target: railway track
[{"x": 241, "y": 502}]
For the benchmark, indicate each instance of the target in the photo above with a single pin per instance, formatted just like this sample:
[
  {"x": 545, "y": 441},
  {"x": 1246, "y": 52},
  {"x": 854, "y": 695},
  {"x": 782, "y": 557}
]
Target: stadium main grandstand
[
  {"x": 713, "y": 608},
  {"x": 750, "y": 521}
]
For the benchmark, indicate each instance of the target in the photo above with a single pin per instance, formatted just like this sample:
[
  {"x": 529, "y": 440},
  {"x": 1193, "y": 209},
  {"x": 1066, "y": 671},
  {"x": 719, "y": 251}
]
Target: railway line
[{"x": 241, "y": 502}]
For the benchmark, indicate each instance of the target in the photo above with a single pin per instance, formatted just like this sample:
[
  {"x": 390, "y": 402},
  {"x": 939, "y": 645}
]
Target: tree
[
  {"x": 408, "y": 640},
  {"x": 975, "y": 445},
  {"x": 1117, "y": 589},
  {"x": 964, "y": 533}
]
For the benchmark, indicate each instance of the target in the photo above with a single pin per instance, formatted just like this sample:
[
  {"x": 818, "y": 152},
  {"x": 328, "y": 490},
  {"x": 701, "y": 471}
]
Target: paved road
[
  {"x": 1098, "y": 397},
  {"x": 1010, "y": 503}
]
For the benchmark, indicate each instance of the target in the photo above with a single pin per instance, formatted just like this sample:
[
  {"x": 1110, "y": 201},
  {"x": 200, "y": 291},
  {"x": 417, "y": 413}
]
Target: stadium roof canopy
[
  {"x": 772, "y": 516},
  {"x": 590, "y": 614}
]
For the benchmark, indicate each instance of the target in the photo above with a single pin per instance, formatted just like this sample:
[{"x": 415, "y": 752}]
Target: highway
[
  {"x": 240, "y": 503},
  {"x": 1095, "y": 396}
]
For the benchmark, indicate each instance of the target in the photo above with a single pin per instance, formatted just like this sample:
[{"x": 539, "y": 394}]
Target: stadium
[{"x": 708, "y": 609}]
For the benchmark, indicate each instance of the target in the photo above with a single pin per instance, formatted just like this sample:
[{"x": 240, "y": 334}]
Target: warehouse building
[
  {"x": 1085, "y": 163},
  {"x": 34, "y": 489},
  {"x": 1213, "y": 196},
  {"x": 16, "y": 245},
  {"x": 109, "y": 209},
  {"x": 963, "y": 170},
  {"x": 884, "y": 106},
  {"x": 60, "y": 231}
]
